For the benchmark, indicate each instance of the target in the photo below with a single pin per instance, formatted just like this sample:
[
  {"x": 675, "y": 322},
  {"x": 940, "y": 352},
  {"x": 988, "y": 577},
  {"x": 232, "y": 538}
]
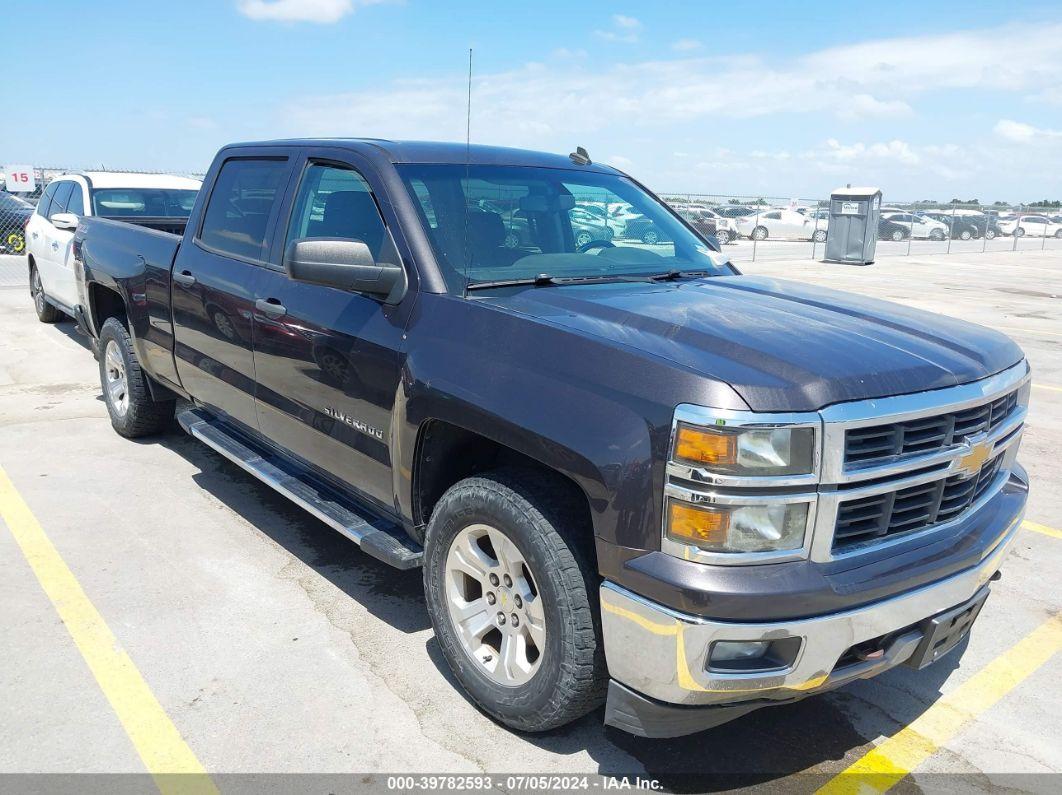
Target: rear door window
[
  {"x": 244, "y": 197},
  {"x": 45, "y": 202}
]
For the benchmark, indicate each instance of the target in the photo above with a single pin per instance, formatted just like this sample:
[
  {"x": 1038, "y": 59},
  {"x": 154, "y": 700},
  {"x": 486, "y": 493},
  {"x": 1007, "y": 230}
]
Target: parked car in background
[
  {"x": 960, "y": 227},
  {"x": 589, "y": 227},
  {"x": 920, "y": 227},
  {"x": 709, "y": 222},
  {"x": 14, "y": 215},
  {"x": 892, "y": 230},
  {"x": 735, "y": 210},
  {"x": 157, "y": 201},
  {"x": 1031, "y": 225},
  {"x": 780, "y": 225},
  {"x": 646, "y": 230}
]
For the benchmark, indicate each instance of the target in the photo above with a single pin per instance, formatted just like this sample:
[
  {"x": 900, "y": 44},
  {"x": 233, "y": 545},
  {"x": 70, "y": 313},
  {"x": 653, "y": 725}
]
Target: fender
[{"x": 477, "y": 367}]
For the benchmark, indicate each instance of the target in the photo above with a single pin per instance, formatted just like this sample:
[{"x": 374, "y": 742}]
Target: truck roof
[
  {"x": 123, "y": 179},
  {"x": 439, "y": 152}
]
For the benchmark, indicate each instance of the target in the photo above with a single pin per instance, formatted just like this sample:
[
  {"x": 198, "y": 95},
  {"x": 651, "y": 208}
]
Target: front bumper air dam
[{"x": 657, "y": 657}]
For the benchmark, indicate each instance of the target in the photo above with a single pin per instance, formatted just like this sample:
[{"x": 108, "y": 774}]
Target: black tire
[
  {"x": 142, "y": 416},
  {"x": 525, "y": 506},
  {"x": 1019, "y": 232},
  {"x": 46, "y": 313},
  {"x": 990, "y": 234},
  {"x": 759, "y": 233},
  {"x": 723, "y": 236},
  {"x": 819, "y": 236},
  {"x": 936, "y": 234},
  {"x": 966, "y": 234},
  {"x": 898, "y": 235}
]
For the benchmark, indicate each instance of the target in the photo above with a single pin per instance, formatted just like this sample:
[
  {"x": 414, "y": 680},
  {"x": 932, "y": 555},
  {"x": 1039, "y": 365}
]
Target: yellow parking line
[
  {"x": 1042, "y": 528},
  {"x": 885, "y": 765},
  {"x": 1050, "y": 388},
  {"x": 160, "y": 745}
]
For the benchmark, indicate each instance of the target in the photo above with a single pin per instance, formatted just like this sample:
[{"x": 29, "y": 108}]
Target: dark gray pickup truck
[{"x": 632, "y": 475}]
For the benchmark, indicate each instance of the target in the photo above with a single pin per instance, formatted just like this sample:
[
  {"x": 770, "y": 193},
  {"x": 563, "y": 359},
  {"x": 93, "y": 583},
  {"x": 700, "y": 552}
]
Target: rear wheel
[
  {"x": 133, "y": 411},
  {"x": 46, "y": 313},
  {"x": 965, "y": 234},
  {"x": 1058, "y": 233},
  {"x": 723, "y": 236},
  {"x": 651, "y": 237},
  {"x": 898, "y": 235},
  {"x": 759, "y": 233},
  {"x": 936, "y": 234},
  {"x": 819, "y": 236},
  {"x": 990, "y": 234},
  {"x": 513, "y": 599},
  {"x": 583, "y": 238},
  {"x": 1019, "y": 232}
]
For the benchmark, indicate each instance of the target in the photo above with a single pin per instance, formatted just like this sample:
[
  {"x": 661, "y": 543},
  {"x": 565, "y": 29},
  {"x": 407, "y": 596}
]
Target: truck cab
[{"x": 631, "y": 474}]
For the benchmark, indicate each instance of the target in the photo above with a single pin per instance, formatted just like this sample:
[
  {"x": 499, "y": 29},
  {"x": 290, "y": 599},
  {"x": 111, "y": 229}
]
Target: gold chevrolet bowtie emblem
[{"x": 971, "y": 463}]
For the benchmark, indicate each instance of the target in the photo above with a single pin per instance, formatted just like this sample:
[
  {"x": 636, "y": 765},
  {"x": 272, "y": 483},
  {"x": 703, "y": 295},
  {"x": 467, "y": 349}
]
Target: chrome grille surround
[{"x": 835, "y": 482}]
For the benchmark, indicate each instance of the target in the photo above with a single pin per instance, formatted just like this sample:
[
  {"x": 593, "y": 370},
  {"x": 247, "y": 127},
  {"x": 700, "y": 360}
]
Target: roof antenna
[
  {"x": 468, "y": 162},
  {"x": 580, "y": 157}
]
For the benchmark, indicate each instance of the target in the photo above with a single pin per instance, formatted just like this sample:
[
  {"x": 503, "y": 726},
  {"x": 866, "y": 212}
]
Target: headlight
[
  {"x": 737, "y": 528},
  {"x": 747, "y": 451}
]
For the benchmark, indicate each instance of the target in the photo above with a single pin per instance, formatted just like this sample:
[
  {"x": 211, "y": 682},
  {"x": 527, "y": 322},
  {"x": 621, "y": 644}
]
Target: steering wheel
[{"x": 585, "y": 247}]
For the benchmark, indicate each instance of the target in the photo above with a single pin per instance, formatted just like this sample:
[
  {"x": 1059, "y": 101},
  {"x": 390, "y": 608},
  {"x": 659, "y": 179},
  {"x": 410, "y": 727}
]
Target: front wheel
[
  {"x": 513, "y": 600},
  {"x": 1058, "y": 233},
  {"x": 898, "y": 235},
  {"x": 651, "y": 237},
  {"x": 133, "y": 411},
  {"x": 990, "y": 234},
  {"x": 965, "y": 234},
  {"x": 936, "y": 234}
]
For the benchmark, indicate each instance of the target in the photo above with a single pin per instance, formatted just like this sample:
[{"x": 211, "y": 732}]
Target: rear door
[
  {"x": 52, "y": 251},
  {"x": 328, "y": 361},
  {"x": 215, "y": 276},
  {"x": 65, "y": 285}
]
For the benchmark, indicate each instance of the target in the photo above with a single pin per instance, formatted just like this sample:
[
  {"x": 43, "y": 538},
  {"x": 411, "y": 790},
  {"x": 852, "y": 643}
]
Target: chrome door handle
[
  {"x": 271, "y": 306},
  {"x": 184, "y": 277}
]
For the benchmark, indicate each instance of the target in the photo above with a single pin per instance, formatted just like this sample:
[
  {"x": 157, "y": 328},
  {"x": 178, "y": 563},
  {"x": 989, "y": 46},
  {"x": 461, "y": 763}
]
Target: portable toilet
[{"x": 853, "y": 230}]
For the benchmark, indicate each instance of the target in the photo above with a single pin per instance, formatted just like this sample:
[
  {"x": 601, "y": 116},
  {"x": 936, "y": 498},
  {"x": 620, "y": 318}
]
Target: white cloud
[
  {"x": 1020, "y": 132},
  {"x": 320, "y": 11},
  {"x": 865, "y": 106},
  {"x": 624, "y": 29},
  {"x": 686, "y": 45}
]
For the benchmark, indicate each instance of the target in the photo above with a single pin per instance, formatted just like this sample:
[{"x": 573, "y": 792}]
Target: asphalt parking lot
[{"x": 274, "y": 645}]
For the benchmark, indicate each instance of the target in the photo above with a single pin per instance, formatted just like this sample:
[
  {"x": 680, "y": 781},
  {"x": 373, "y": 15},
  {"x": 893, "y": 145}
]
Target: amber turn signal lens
[
  {"x": 699, "y": 446},
  {"x": 686, "y": 522}
]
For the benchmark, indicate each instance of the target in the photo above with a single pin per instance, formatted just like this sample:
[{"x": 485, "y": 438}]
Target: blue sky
[{"x": 926, "y": 99}]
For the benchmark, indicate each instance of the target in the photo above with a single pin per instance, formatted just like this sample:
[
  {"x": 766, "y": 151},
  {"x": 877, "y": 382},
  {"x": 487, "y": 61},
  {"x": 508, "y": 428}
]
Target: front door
[
  {"x": 214, "y": 282},
  {"x": 328, "y": 361}
]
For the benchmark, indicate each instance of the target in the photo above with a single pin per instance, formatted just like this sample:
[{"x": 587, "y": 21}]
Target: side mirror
[
  {"x": 345, "y": 265},
  {"x": 64, "y": 221}
]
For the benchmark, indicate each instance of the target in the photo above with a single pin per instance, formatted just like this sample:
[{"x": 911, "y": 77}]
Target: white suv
[{"x": 160, "y": 201}]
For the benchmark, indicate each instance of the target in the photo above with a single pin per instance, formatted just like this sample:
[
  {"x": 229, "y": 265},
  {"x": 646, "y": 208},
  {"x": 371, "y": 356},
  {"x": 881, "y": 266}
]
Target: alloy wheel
[
  {"x": 117, "y": 382},
  {"x": 38, "y": 292},
  {"x": 494, "y": 604}
]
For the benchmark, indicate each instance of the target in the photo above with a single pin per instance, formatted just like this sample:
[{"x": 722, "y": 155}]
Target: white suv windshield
[{"x": 508, "y": 223}]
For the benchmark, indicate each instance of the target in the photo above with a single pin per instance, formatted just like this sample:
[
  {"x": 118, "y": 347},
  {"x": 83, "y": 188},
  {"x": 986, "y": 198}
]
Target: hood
[{"x": 781, "y": 345}]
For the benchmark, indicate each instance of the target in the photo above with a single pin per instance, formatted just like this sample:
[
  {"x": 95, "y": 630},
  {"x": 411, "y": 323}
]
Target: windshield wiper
[
  {"x": 670, "y": 276},
  {"x": 545, "y": 280}
]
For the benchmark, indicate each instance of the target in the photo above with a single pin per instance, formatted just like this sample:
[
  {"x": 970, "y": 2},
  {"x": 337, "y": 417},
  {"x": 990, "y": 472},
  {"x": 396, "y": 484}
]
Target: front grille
[
  {"x": 910, "y": 509},
  {"x": 877, "y": 443}
]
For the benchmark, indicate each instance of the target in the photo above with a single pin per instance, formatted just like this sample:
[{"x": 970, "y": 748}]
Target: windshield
[
  {"x": 145, "y": 202},
  {"x": 506, "y": 223}
]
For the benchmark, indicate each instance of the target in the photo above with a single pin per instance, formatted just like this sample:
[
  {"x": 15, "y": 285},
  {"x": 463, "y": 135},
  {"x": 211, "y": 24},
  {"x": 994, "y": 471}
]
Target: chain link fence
[
  {"x": 771, "y": 227},
  {"x": 750, "y": 227}
]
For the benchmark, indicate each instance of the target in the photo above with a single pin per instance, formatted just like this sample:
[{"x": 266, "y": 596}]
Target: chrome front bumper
[{"x": 663, "y": 654}]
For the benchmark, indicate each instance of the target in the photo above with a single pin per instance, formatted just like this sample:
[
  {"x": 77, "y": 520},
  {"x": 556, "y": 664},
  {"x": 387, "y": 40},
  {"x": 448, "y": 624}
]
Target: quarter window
[
  {"x": 76, "y": 203},
  {"x": 241, "y": 203}
]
